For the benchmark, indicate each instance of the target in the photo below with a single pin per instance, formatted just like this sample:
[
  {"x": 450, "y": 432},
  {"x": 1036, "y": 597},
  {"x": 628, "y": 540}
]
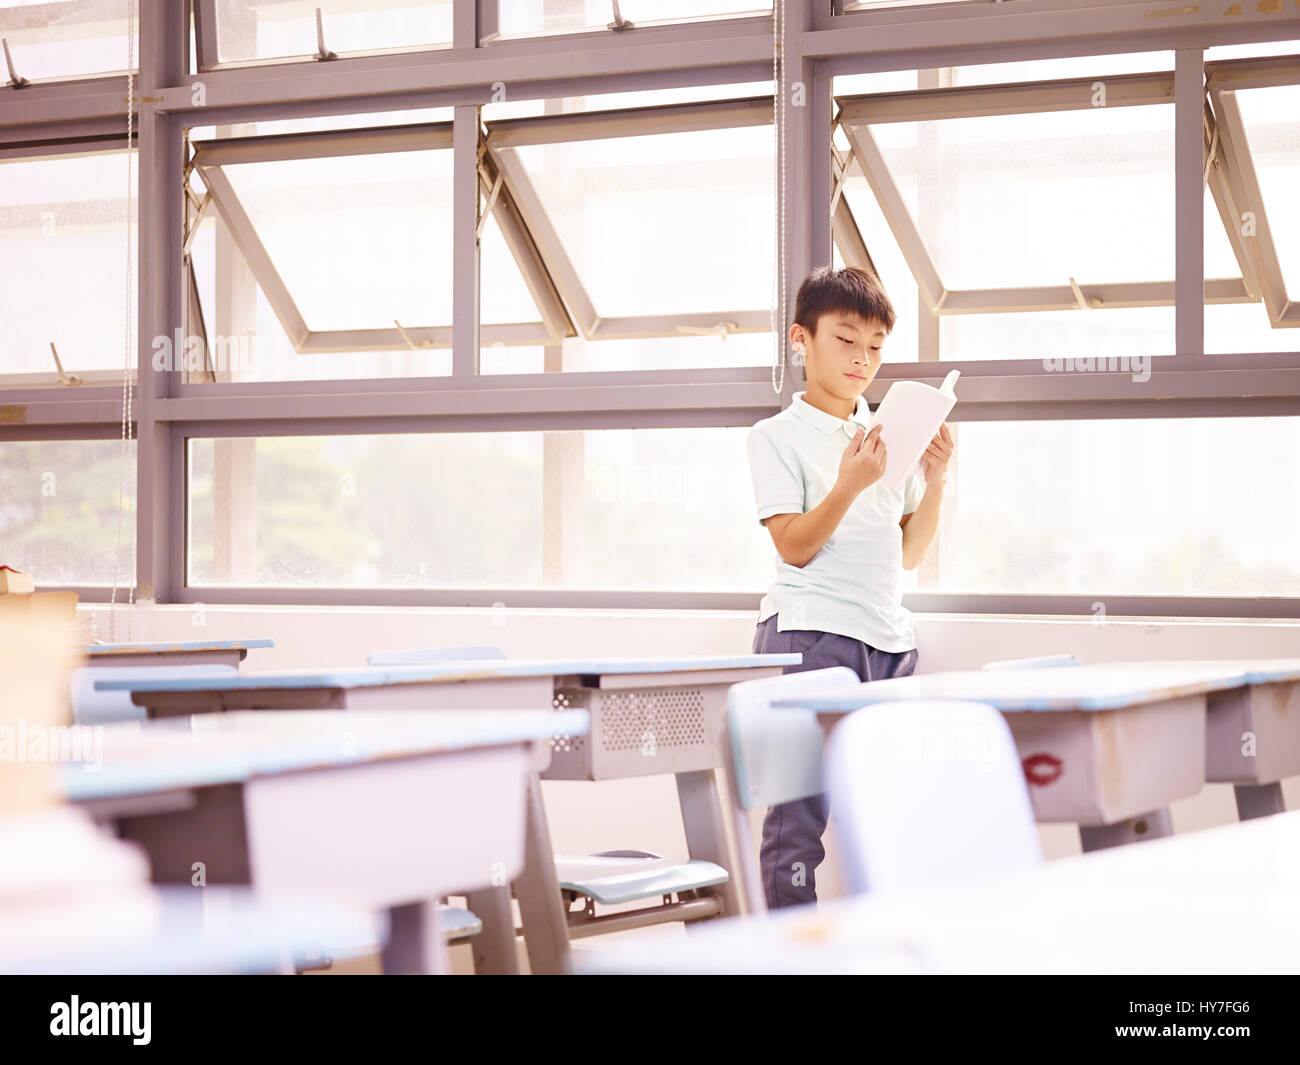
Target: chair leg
[
  {"x": 546, "y": 930},
  {"x": 706, "y": 836},
  {"x": 494, "y": 947}
]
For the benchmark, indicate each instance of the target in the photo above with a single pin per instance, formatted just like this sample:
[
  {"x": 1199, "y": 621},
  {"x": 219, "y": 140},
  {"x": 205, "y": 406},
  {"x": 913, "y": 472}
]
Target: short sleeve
[
  {"x": 913, "y": 490},
  {"x": 778, "y": 484}
]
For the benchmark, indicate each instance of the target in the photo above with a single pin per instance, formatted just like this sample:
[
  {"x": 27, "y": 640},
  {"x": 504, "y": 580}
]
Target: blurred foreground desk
[
  {"x": 1218, "y": 901},
  {"x": 221, "y": 930},
  {"x": 387, "y": 811}
]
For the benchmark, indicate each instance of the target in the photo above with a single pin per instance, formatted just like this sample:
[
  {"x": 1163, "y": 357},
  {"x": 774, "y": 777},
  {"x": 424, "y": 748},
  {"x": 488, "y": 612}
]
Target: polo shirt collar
[{"x": 828, "y": 423}]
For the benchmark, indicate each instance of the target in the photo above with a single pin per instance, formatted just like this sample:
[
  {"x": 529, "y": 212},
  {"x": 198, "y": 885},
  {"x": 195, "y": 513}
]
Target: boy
[{"x": 842, "y": 538}]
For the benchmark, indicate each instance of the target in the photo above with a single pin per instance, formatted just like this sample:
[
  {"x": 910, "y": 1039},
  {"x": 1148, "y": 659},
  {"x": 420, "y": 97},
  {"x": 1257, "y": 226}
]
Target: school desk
[
  {"x": 648, "y": 716},
  {"x": 388, "y": 811},
  {"x": 1253, "y": 737},
  {"x": 172, "y": 653},
  {"x": 1108, "y": 747},
  {"x": 1219, "y": 901},
  {"x": 217, "y": 929}
]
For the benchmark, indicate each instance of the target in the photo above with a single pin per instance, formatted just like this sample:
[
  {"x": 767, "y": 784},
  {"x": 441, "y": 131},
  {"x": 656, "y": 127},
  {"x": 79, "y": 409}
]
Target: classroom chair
[
  {"x": 928, "y": 791},
  {"x": 608, "y": 878},
  {"x": 1045, "y": 662},
  {"x": 422, "y": 655},
  {"x": 91, "y": 707},
  {"x": 776, "y": 755}
]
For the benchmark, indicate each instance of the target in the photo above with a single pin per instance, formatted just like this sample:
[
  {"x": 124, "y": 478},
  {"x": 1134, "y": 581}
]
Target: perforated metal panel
[
  {"x": 639, "y": 732},
  {"x": 646, "y": 721}
]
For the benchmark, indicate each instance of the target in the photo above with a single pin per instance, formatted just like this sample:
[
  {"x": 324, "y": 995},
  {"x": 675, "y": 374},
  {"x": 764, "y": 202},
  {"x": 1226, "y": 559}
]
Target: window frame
[{"x": 73, "y": 115}]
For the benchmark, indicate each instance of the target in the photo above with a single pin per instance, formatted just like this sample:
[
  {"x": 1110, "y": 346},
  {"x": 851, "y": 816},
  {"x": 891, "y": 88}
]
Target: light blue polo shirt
[{"x": 854, "y": 585}]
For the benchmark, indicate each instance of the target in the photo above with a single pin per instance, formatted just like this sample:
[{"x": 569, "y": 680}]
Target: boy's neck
[{"x": 829, "y": 404}]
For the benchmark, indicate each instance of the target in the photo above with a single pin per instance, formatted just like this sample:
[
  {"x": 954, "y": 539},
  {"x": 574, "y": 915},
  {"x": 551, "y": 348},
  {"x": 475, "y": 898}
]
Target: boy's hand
[
  {"x": 863, "y": 461},
  {"x": 934, "y": 462}
]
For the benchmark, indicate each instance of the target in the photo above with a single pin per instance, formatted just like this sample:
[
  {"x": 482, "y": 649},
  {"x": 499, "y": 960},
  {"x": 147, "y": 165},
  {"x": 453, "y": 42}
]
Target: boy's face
[{"x": 843, "y": 355}]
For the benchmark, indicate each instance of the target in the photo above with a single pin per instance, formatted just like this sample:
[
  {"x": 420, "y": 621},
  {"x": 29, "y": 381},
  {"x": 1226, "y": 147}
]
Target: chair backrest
[
  {"x": 776, "y": 755},
  {"x": 1045, "y": 662},
  {"x": 424, "y": 655},
  {"x": 928, "y": 791},
  {"x": 91, "y": 707}
]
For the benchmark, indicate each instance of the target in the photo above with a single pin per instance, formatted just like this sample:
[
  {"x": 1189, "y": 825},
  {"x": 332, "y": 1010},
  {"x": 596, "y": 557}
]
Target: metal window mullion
[
  {"x": 485, "y": 402},
  {"x": 796, "y": 243},
  {"x": 1189, "y": 202},
  {"x": 631, "y": 122},
  {"x": 440, "y": 70},
  {"x": 1016, "y": 98},
  {"x": 923, "y": 36},
  {"x": 465, "y": 243},
  {"x": 1030, "y": 298},
  {"x": 464, "y": 25},
  {"x": 205, "y": 34},
  {"x": 818, "y": 163},
  {"x": 1078, "y": 608},
  {"x": 323, "y": 144},
  {"x": 160, "y": 306},
  {"x": 489, "y": 17}
]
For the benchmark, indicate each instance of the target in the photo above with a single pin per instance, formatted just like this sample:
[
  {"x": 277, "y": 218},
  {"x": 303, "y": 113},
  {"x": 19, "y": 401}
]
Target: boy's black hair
[{"x": 851, "y": 290}]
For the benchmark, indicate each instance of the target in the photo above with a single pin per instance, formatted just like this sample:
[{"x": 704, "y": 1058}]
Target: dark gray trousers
[{"x": 792, "y": 831}]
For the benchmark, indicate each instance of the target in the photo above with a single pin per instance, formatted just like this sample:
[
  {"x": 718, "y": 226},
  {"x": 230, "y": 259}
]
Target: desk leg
[
  {"x": 494, "y": 947},
  {"x": 1154, "y": 825},
  {"x": 1259, "y": 800},
  {"x": 541, "y": 907},
  {"x": 415, "y": 943},
  {"x": 706, "y": 838}
]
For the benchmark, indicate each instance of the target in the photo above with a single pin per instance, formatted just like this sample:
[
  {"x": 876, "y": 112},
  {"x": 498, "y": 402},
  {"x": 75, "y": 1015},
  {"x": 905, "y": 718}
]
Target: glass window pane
[
  {"x": 59, "y": 507},
  {"x": 528, "y": 17},
  {"x": 1027, "y": 200},
  {"x": 668, "y": 223},
  {"x": 495, "y": 510},
  {"x": 358, "y": 240},
  {"x": 1085, "y": 66},
  {"x": 1123, "y": 507},
  {"x": 360, "y": 243},
  {"x": 507, "y": 298},
  {"x": 1254, "y": 49},
  {"x": 1055, "y": 195},
  {"x": 51, "y": 40},
  {"x": 63, "y": 226},
  {"x": 274, "y": 29},
  {"x": 612, "y": 101},
  {"x": 317, "y": 123}
]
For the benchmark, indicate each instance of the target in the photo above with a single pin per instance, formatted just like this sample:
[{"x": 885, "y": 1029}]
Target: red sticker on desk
[{"x": 1042, "y": 769}]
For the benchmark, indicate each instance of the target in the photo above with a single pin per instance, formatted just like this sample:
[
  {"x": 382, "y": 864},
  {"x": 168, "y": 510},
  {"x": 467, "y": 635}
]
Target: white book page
[{"x": 909, "y": 416}]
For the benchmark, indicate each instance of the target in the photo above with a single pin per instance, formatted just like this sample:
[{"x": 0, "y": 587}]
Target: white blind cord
[{"x": 778, "y": 121}]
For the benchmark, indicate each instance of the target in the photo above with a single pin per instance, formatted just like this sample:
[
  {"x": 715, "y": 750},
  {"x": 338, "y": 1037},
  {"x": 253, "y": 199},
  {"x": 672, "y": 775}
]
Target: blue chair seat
[
  {"x": 626, "y": 876},
  {"x": 458, "y": 923}
]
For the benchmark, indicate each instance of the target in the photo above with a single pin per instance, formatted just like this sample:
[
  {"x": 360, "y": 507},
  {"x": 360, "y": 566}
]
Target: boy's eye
[{"x": 846, "y": 340}]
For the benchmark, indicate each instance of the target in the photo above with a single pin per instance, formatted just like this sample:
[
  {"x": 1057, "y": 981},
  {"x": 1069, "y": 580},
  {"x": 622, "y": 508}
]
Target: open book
[{"x": 909, "y": 416}]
